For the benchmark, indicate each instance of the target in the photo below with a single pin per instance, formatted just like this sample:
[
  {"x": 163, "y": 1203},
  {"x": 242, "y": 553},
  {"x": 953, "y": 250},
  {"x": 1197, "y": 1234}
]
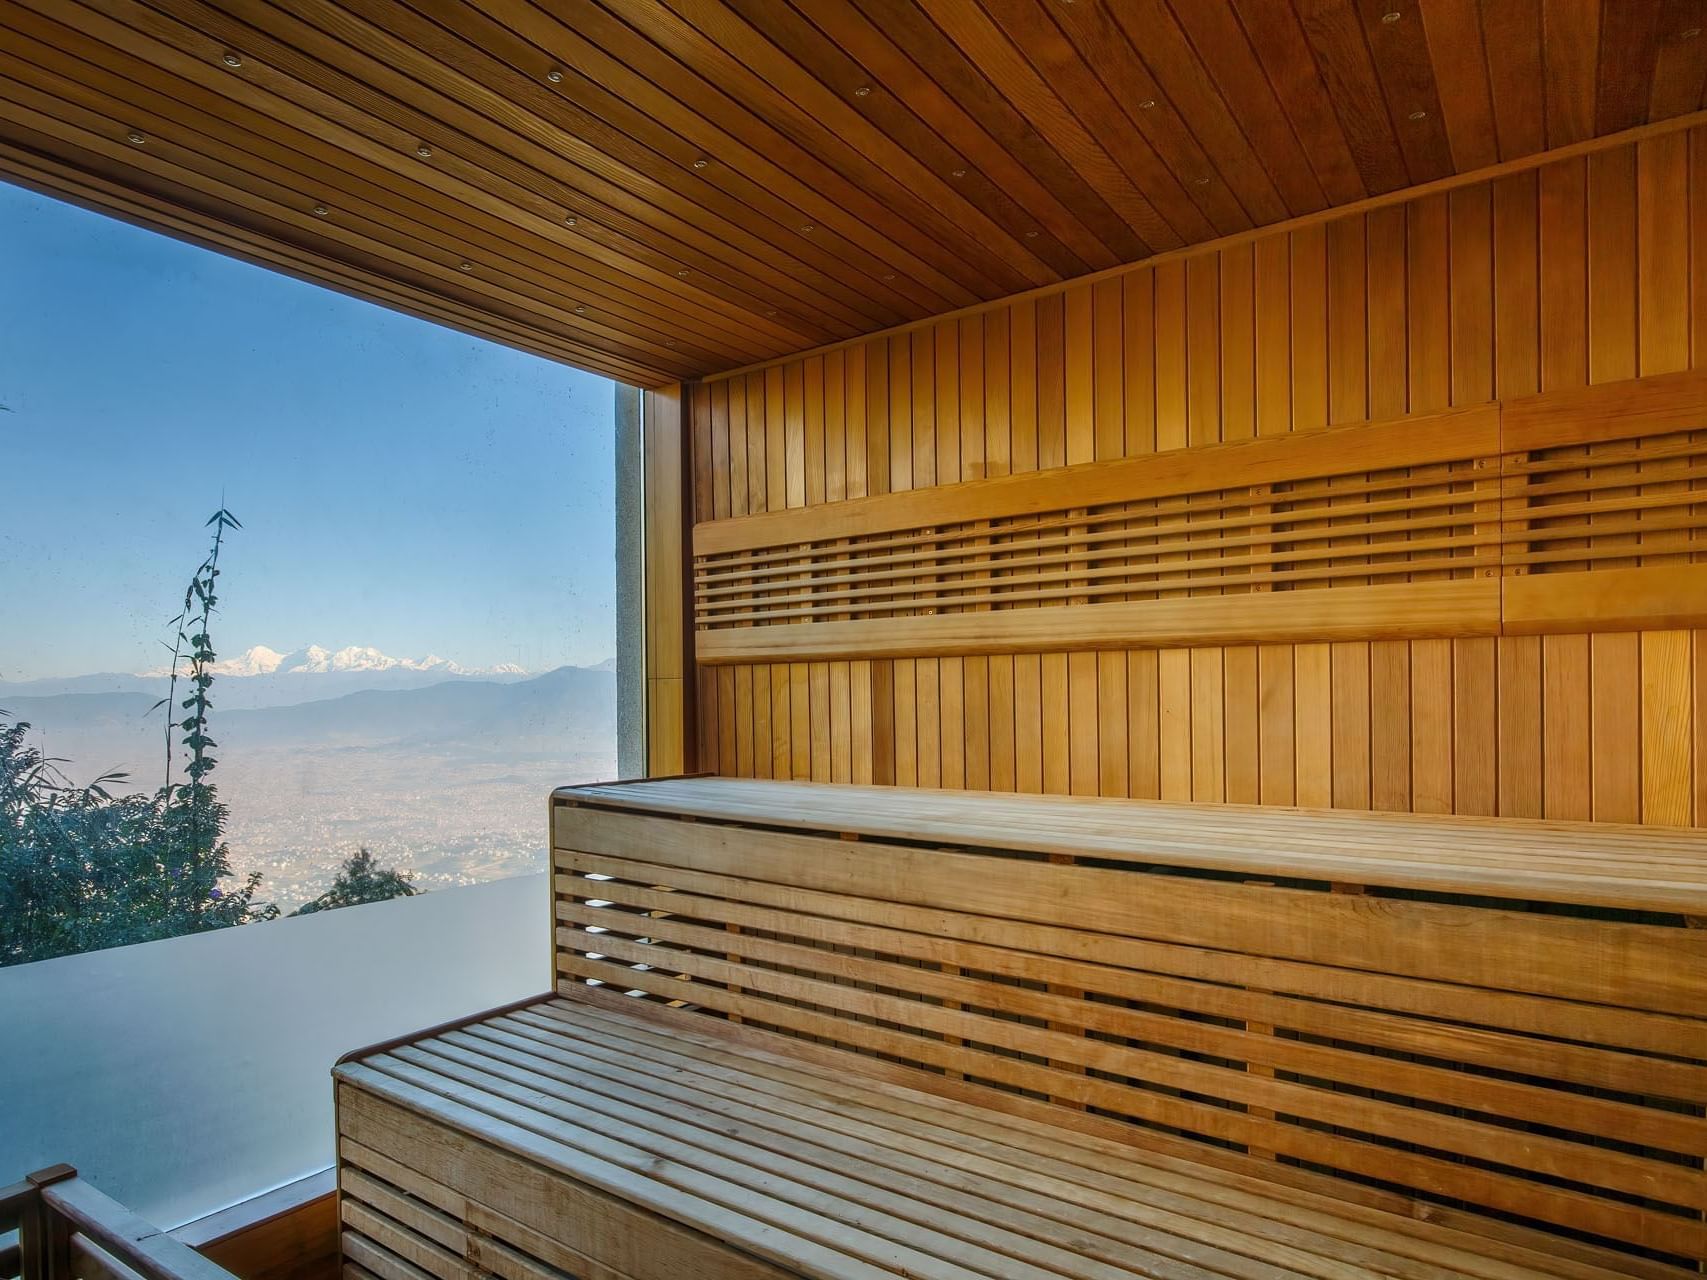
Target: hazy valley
[{"x": 443, "y": 774}]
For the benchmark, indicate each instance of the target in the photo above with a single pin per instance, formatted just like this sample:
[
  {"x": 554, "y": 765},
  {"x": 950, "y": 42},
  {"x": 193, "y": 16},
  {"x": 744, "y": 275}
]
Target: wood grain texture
[
  {"x": 1270, "y": 522},
  {"x": 659, "y": 192},
  {"x": 488, "y": 1150},
  {"x": 668, "y": 502},
  {"x": 899, "y": 926},
  {"x": 1541, "y": 301},
  {"x": 1608, "y": 864}
]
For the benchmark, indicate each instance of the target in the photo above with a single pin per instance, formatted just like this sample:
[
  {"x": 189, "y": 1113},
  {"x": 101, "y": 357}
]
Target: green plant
[
  {"x": 360, "y": 880},
  {"x": 82, "y": 868},
  {"x": 202, "y": 816}
]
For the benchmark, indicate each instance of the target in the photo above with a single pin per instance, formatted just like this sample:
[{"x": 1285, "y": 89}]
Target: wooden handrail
[{"x": 68, "y": 1230}]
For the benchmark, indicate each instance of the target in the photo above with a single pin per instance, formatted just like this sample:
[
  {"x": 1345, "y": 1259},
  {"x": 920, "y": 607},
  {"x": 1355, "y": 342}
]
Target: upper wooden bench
[{"x": 830, "y": 1031}]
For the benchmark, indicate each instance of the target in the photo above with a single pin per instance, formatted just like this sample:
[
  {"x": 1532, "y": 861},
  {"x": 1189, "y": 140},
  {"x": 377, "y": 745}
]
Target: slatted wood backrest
[
  {"x": 1504, "y": 517},
  {"x": 1539, "y": 1062}
]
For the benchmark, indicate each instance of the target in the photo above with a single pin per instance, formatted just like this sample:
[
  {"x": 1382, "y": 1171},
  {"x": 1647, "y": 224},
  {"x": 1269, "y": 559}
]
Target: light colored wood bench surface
[
  {"x": 823, "y": 1172},
  {"x": 1612, "y": 864},
  {"x": 793, "y": 999}
]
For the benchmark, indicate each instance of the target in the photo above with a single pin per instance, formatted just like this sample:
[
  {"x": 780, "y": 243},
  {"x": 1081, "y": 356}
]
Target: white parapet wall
[{"x": 183, "y": 1076}]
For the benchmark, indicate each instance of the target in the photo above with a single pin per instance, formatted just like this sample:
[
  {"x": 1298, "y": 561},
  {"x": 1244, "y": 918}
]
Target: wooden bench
[{"x": 831, "y": 1031}]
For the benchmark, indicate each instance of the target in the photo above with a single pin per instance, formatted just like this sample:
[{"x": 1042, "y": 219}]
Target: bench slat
[
  {"x": 967, "y": 1230},
  {"x": 492, "y": 1241},
  {"x": 1594, "y": 961},
  {"x": 1642, "y": 868},
  {"x": 1276, "y": 993},
  {"x": 468, "y": 1146},
  {"x": 851, "y": 1032},
  {"x": 1194, "y": 1208},
  {"x": 916, "y": 1096},
  {"x": 959, "y": 1133},
  {"x": 1685, "y": 1134},
  {"x": 867, "y": 1146},
  {"x": 998, "y": 1201},
  {"x": 1541, "y": 1061},
  {"x": 1668, "y": 1232}
]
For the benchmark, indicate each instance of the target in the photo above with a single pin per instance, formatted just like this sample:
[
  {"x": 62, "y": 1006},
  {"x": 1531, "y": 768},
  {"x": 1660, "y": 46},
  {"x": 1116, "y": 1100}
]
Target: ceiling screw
[
  {"x": 888, "y": 275},
  {"x": 134, "y": 138},
  {"x": 423, "y": 150},
  {"x": 683, "y": 272},
  {"x": 1031, "y": 235},
  {"x": 1200, "y": 182},
  {"x": 1391, "y": 16},
  {"x": 770, "y": 311},
  {"x": 1146, "y": 104},
  {"x": 571, "y": 221},
  {"x": 1689, "y": 33},
  {"x": 701, "y": 163},
  {"x": 958, "y": 173},
  {"x": 1419, "y": 115},
  {"x": 465, "y": 266},
  {"x": 580, "y": 311},
  {"x": 864, "y": 91},
  {"x": 232, "y": 60},
  {"x": 320, "y": 211},
  {"x": 555, "y": 76},
  {"x": 807, "y": 227}
]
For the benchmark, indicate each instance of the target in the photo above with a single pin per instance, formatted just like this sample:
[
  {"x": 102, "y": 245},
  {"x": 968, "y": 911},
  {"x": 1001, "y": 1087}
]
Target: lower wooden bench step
[{"x": 770, "y": 1167}]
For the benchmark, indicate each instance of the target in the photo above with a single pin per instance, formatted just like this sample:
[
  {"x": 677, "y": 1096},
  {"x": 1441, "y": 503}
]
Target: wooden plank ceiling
[{"x": 660, "y": 189}]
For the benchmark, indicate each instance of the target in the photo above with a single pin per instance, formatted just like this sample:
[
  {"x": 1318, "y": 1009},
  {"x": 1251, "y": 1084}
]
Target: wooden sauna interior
[
  {"x": 1472, "y": 654},
  {"x": 872, "y": 248},
  {"x": 1291, "y": 403}
]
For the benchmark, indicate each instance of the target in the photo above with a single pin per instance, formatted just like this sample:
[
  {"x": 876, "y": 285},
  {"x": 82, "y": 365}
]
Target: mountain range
[
  {"x": 264, "y": 677},
  {"x": 569, "y": 708},
  {"x": 313, "y": 660}
]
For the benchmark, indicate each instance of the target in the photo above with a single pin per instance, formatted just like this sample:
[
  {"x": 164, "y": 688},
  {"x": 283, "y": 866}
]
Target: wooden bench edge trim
[
  {"x": 439, "y": 1028},
  {"x": 566, "y": 794},
  {"x": 784, "y": 1248}
]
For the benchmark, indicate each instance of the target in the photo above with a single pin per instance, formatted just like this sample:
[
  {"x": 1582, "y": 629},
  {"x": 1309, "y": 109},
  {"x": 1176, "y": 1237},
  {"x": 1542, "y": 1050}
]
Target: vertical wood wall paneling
[
  {"x": 668, "y": 501},
  {"x": 1581, "y": 270}
]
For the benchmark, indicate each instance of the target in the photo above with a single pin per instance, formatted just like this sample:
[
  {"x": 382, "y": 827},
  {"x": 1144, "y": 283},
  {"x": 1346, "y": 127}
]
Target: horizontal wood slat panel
[
  {"x": 1612, "y": 864},
  {"x": 861, "y": 1175},
  {"x": 1448, "y": 437},
  {"x": 505, "y": 1197},
  {"x": 1354, "y": 613},
  {"x": 1610, "y": 964},
  {"x": 1523, "y": 1060},
  {"x": 1261, "y": 540},
  {"x": 1666, "y": 596}
]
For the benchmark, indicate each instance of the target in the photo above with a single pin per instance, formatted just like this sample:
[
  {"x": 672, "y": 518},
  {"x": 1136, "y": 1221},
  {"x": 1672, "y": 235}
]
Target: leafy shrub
[
  {"x": 360, "y": 880},
  {"x": 82, "y": 868}
]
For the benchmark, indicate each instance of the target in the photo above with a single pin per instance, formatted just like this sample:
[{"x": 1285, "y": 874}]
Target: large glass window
[{"x": 412, "y": 636}]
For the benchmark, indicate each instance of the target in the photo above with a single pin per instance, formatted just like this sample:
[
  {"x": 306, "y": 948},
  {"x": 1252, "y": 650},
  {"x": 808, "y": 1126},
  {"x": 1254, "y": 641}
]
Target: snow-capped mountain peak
[
  {"x": 260, "y": 660},
  {"x": 256, "y": 661},
  {"x": 316, "y": 660}
]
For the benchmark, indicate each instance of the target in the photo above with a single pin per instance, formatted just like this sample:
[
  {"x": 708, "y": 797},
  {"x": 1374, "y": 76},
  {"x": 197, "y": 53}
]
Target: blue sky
[{"x": 401, "y": 485}]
